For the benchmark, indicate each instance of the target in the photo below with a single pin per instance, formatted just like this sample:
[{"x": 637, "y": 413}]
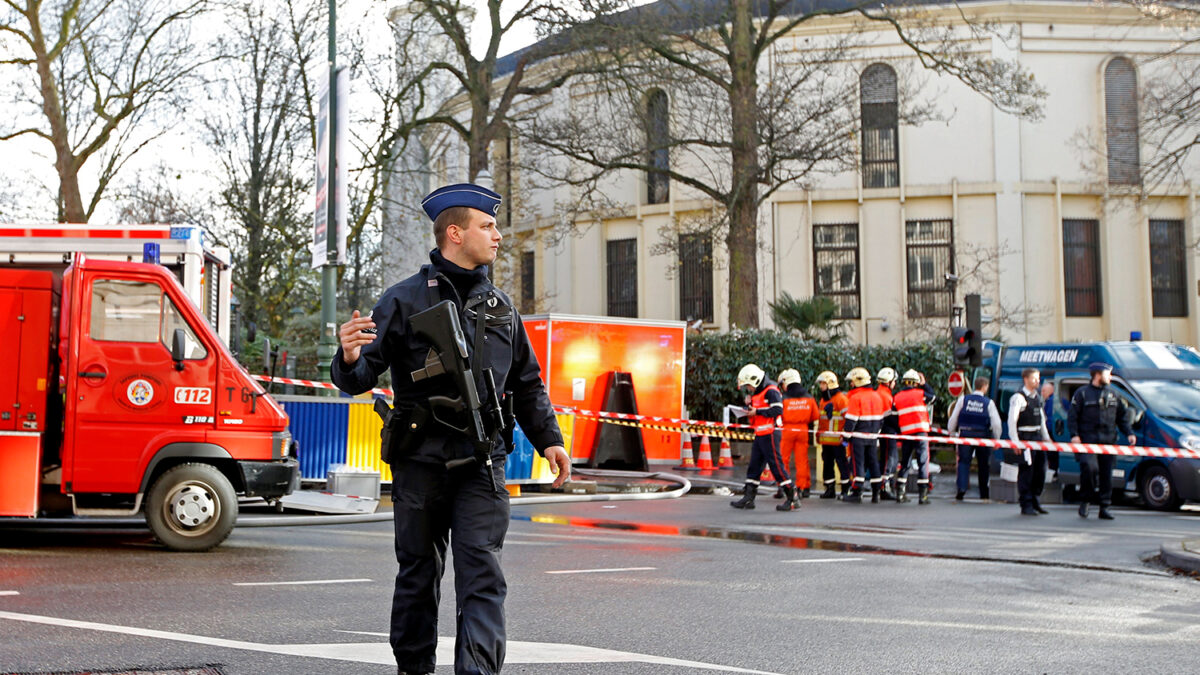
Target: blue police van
[{"x": 1158, "y": 381}]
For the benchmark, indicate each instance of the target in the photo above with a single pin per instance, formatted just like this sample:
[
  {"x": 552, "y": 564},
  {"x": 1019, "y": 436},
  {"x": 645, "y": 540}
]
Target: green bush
[{"x": 714, "y": 359}]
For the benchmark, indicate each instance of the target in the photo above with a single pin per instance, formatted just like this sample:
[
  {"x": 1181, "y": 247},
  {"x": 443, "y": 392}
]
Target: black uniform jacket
[
  {"x": 1096, "y": 413},
  {"x": 506, "y": 351}
]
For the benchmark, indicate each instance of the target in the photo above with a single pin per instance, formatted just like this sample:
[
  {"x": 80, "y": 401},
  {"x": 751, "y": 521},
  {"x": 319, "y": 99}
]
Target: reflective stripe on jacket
[{"x": 910, "y": 407}]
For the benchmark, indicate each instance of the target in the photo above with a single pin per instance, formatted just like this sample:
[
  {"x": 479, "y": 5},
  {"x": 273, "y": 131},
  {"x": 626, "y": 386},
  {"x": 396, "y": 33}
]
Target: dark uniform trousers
[
  {"x": 1092, "y": 467},
  {"x": 1031, "y": 477},
  {"x": 831, "y": 456},
  {"x": 765, "y": 450},
  {"x": 463, "y": 508}
]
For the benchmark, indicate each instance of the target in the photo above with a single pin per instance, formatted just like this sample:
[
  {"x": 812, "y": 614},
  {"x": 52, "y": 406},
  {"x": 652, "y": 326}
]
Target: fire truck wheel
[{"x": 191, "y": 507}]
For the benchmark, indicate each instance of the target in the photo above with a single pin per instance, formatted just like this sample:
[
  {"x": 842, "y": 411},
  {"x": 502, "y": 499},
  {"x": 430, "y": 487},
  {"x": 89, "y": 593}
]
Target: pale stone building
[{"x": 1050, "y": 219}]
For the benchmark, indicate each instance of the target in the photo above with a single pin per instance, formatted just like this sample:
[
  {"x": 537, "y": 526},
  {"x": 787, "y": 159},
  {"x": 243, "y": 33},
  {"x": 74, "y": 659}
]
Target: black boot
[
  {"x": 1104, "y": 514},
  {"x": 1083, "y": 509},
  {"x": 804, "y": 493},
  {"x": 923, "y": 494},
  {"x": 778, "y": 493},
  {"x": 790, "y": 503},
  {"x": 1037, "y": 506},
  {"x": 902, "y": 491},
  {"x": 885, "y": 495},
  {"x": 855, "y": 496},
  {"x": 875, "y": 493},
  {"x": 829, "y": 493},
  {"x": 747, "y": 500}
]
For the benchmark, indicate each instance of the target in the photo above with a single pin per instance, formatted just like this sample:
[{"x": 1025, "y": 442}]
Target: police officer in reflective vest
[
  {"x": 799, "y": 412},
  {"x": 864, "y": 414},
  {"x": 1095, "y": 416},
  {"x": 911, "y": 404},
  {"x": 975, "y": 416},
  {"x": 764, "y": 405},
  {"x": 889, "y": 448},
  {"x": 1027, "y": 422},
  {"x": 446, "y": 490},
  {"x": 833, "y": 449}
]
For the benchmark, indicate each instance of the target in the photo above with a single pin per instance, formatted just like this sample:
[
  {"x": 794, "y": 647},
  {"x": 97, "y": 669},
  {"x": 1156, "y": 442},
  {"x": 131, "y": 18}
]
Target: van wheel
[
  {"x": 191, "y": 507},
  {"x": 1157, "y": 489}
]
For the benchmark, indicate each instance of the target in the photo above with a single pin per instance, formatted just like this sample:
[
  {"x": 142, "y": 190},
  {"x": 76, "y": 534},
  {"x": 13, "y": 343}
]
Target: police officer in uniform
[
  {"x": 975, "y": 416},
  {"x": 764, "y": 405},
  {"x": 445, "y": 493},
  {"x": 1095, "y": 416},
  {"x": 1027, "y": 422}
]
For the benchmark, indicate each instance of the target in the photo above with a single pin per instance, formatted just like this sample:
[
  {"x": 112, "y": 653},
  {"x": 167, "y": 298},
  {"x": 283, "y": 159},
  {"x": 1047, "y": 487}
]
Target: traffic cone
[
  {"x": 685, "y": 453},
  {"x": 705, "y": 460},
  {"x": 726, "y": 459}
]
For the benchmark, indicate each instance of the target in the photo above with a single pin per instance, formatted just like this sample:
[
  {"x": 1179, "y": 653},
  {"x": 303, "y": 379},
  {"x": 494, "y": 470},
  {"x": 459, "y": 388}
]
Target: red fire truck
[{"x": 118, "y": 397}]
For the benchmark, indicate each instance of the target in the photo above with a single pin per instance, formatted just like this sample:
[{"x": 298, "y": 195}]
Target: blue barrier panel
[
  {"x": 520, "y": 462},
  {"x": 320, "y": 429}
]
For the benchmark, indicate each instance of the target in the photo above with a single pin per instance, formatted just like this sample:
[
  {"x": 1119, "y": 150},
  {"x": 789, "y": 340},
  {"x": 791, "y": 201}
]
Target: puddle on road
[{"x": 786, "y": 541}]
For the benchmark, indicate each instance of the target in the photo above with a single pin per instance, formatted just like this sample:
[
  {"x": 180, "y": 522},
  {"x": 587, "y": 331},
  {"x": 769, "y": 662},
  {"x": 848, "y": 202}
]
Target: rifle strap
[{"x": 478, "y": 358}]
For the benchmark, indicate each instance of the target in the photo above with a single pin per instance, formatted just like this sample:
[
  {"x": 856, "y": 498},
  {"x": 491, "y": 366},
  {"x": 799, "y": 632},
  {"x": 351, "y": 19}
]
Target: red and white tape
[{"x": 1050, "y": 446}]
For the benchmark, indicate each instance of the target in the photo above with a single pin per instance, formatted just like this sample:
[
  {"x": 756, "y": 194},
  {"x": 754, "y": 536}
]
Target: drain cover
[{"x": 211, "y": 669}]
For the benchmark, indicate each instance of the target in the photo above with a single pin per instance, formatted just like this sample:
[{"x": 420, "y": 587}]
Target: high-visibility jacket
[
  {"x": 831, "y": 419},
  {"x": 798, "y": 413},
  {"x": 910, "y": 406},
  {"x": 765, "y": 401},
  {"x": 865, "y": 411},
  {"x": 890, "y": 425}
]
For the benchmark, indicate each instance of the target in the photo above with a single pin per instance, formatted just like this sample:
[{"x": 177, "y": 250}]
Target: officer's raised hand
[
  {"x": 353, "y": 335},
  {"x": 560, "y": 463}
]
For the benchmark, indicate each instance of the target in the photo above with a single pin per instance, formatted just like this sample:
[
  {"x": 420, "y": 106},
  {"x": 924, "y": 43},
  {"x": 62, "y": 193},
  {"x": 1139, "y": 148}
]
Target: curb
[{"x": 1182, "y": 555}]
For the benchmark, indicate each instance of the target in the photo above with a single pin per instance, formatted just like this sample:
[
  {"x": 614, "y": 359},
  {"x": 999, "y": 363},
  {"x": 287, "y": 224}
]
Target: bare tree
[
  {"x": 735, "y": 137},
  {"x": 96, "y": 79}
]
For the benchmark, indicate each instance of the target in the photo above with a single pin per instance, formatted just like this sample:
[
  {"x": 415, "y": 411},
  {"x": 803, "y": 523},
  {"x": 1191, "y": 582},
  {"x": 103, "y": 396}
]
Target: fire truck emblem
[{"x": 140, "y": 392}]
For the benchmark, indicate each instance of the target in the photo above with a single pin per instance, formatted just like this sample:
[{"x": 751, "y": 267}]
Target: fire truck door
[{"x": 133, "y": 398}]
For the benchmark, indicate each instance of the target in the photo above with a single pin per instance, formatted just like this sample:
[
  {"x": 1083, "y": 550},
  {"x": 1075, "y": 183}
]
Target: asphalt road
[{"x": 684, "y": 586}]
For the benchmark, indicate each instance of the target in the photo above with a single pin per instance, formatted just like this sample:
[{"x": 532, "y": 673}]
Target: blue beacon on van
[{"x": 1159, "y": 381}]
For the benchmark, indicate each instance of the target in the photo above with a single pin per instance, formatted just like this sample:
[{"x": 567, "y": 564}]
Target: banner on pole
[{"x": 322, "y": 232}]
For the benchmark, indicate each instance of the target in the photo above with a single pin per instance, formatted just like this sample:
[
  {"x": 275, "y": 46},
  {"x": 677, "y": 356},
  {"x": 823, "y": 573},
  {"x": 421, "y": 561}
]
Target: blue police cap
[
  {"x": 461, "y": 194},
  {"x": 1099, "y": 367}
]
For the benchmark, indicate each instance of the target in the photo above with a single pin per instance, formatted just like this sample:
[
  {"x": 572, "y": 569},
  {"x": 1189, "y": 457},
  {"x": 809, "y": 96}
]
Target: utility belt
[{"x": 408, "y": 424}]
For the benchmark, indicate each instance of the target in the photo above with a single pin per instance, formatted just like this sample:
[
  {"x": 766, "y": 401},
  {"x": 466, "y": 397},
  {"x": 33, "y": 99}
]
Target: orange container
[{"x": 577, "y": 353}]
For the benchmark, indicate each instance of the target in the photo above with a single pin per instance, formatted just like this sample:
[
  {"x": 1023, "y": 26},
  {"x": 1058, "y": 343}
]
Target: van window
[
  {"x": 125, "y": 311},
  {"x": 193, "y": 349},
  {"x": 1006, "y": 391},
  {"x": 1176, "y": 400}
]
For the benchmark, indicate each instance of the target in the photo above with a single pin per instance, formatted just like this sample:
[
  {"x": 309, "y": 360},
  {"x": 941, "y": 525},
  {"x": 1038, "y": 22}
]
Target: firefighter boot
[
  {"x": 779, "y": 493},
  {"x": 885, "y": 495},
  {"x": 855, "y": 496},
  {"x": 902, "y": 490},
  {"x": 747, "y": 500},
  {"x": 923, "y": 494},
  {"x": 874, "y": 493},
  {"x": 829, "y": 492},
  {"x": 790, "y": 503}
]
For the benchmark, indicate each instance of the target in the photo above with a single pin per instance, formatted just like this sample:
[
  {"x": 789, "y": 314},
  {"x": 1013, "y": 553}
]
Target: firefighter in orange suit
[
  {"x": 864, "y": 414},
  {"x": 832, "y": 406},
  {"x": 911, "y": 407},
  {"x": 763, "y": 408},
  {"x": 799, "y": 411},
  {"x": 889, "y": 448}
]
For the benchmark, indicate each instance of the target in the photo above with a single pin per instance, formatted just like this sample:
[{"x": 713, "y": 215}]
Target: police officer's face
[
  {"x": 1103, "y": 377},
  {"x": 480, "y": 239},
  {"x": 1031, "y": 382}
]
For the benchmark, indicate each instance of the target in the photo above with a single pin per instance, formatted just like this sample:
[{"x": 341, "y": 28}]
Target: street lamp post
[{"x": 327, "y": 348}]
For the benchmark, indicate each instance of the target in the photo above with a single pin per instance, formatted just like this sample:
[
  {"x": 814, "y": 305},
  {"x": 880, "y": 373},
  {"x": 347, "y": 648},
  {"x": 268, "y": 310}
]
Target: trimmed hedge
[{"x": 714, "y": 359}]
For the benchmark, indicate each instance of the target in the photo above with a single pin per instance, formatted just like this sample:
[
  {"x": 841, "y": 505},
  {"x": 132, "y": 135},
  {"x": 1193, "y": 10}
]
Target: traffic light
[
  {"x": 974, "y": 330},
  {"x": 963, "y": 341}
]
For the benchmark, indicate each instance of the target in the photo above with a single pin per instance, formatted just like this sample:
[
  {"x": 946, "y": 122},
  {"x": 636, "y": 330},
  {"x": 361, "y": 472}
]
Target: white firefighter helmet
[
  {"x": 828, "y": 379},
  {"x": 911, "y": 376},
  {"x": 885, "y": 376},
  {"x": 859, "y": 377},
  {"x": 750, "y": 375},
  {"x": 789, "y": 377}
]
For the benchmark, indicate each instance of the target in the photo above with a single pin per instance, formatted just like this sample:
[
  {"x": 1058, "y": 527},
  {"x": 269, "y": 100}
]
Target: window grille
[
  {"x": 1168, "y": 271},
  {"x": 695, "y": 277},
  {"x": 835, "y": 268},
  {"x": 622, "y": 278},
  {"x": 1121, "y": 122},
  {"x": 658, "y": 139},
  {"x": 929, "y": 246},
  {"x": 1081, "y": 267},
  {"x": 880, "y": 127}
]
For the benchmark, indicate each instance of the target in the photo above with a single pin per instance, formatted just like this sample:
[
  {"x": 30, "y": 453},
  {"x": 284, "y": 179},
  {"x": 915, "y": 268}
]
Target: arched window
[
  {"x": 880, "y": 119},
  {"x": 658, "y": 152},
  {"x": 1121, "y": 122}
]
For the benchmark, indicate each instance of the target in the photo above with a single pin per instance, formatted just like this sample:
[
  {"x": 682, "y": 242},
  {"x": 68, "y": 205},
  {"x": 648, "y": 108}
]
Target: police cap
[
  {"x": 461, "y": 194},
  {"x": 1099, "y": 367}
]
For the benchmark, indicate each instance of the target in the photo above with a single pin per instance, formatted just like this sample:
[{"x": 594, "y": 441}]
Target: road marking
[
  {"x": 381, "y": 652},
  {"x": 994, "y": 627},
  {"x": 10, "y": 592},
  {"x": 821, "y": 560},
  {"x": 302, "y": 583},
  {"x": 609, "y": 569}
]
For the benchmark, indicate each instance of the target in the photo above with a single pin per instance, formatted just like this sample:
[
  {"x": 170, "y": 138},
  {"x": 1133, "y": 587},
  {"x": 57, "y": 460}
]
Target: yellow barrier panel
[
  {"x": 362, "y": 440},
  {"x": 541, "y": 468}
]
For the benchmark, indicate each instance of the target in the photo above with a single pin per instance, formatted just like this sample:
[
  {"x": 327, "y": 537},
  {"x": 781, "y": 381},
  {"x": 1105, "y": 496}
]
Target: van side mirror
[
  {"x": 1139, "y": 418},
  {"x": 178, "y": 345}
]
